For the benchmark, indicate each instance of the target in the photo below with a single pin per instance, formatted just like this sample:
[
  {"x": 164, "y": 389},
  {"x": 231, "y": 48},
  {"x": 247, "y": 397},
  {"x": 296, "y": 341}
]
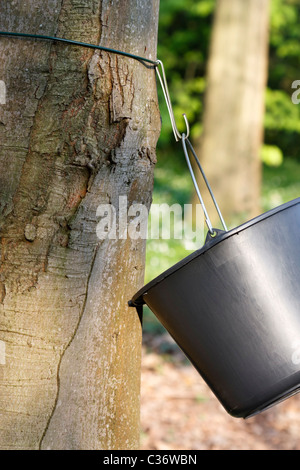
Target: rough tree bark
[
  {"x": 79, "y": 128},
  {"x": 234, "y": 105}
]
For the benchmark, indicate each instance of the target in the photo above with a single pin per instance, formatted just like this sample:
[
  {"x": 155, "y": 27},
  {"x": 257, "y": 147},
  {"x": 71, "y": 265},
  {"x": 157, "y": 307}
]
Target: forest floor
[{"x": 179, "y": 412}]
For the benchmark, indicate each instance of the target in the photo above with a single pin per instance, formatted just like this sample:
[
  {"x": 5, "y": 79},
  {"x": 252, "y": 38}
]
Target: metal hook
[{"x": 165, "y": 89}]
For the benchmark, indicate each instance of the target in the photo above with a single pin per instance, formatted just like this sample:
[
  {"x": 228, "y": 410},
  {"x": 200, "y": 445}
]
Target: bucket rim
[{"x": 138, "y": 299}]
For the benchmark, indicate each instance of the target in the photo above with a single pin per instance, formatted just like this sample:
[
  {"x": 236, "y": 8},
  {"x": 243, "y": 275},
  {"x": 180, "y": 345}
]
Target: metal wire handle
[
  {"x": 184, "y": 139},
  {"x": 207, "y": 219}
]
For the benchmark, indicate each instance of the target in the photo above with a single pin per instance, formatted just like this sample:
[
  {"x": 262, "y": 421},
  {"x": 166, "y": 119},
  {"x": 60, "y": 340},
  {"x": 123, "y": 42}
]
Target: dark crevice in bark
[{"x": 67, "y": 346}]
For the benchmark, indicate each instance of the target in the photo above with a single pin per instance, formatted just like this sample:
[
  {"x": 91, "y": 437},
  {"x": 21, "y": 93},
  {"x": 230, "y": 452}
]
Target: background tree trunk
[
  {"x": 79, "y": 128},
  {"x": 234, "y": 106}
]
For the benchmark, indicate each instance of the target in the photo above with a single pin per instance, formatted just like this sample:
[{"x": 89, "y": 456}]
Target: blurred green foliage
[
  {"x": 271, "y": 155},
  {"x": 282, "y": 118},
  {"x": 183, "y": 45}
]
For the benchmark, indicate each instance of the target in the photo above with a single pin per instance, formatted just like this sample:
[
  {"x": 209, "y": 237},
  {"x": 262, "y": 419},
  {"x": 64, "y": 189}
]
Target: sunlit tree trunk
[
  {"x": 234, "y": 105},
  {"x": 78, "y": 128}
]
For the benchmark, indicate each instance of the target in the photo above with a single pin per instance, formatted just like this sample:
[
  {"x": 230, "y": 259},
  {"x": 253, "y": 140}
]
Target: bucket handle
[
  {"x": 184, "y": 139},
  {"x": 213, "y": 232}
]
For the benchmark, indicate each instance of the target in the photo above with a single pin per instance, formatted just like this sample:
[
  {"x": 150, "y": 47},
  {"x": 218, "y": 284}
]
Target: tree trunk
[
  {"x": 78, "y": 129},
  {"x": 234, "y": 106}
]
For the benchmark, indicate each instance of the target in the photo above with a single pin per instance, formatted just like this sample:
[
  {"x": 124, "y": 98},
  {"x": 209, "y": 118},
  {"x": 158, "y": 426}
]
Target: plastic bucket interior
[{"x": 233, "y": 307}]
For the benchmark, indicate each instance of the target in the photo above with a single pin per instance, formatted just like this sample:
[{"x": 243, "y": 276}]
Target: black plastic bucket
[{"x": 233, "y": 307}]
